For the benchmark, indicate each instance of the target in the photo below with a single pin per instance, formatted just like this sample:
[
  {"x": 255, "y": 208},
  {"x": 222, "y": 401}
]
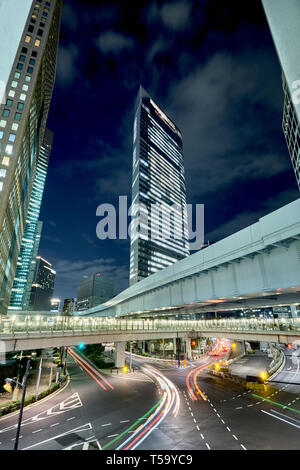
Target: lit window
[
  {"x": 22, "y": 96},
  {"x": 45, "y": 14},
  {"x": 18, "y": 116},
  {"x": 5, "y": 161},
  {"x": 5, "y": 112},
  {"x": 14, "y": 84},
  {"x": 20, "y": 106},
  {"x": 27, "y": 38},
  {"x": 15, "y": 126},
  {"x": 17, "y": 75},
  {"x": 11, "y": 93},
  {"x": 9, "y": 149},
  {"x": 2, "y": 123},
  {"x": 27, "y": 78},
  {"x": 9, "y": 103},
  {"x": 1, "y": 134},
  {"x": 2, "y": 173},
  {"x": 25, "y": 87},
  {"x": 37, "y": 42},
  {"x": 1, "y": 185},
  {"x": 12, "y": 137},
  {"x": 33, "y": 16}
]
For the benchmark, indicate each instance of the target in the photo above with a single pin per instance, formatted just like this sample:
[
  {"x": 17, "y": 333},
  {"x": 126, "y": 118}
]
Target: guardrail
[{"x": 13, "y": 324}]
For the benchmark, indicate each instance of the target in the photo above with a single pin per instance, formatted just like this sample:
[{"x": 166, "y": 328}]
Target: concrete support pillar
[
  {"x": 263, "y": 345},
  {"x": 120, "y": 354},
  {"x": 294, "y": 313},
  {"x": 188, "y": 348}
]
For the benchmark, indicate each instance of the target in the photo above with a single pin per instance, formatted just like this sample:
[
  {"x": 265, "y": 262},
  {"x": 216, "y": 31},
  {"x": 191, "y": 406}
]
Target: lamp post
[{"x": 23, "y": 385}]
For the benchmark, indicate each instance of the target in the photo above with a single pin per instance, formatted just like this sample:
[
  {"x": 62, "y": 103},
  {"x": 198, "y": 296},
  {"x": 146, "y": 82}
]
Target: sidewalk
[
  {"x": 250, "y": 365},
  {"x": 47, "y": 363}
]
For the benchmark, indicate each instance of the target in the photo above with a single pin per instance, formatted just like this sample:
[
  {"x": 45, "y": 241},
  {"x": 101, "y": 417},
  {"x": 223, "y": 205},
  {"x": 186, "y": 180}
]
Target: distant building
[
  {"x": 43, "y": 285},
  {"x": 69, "y": 306},
  {"x": 94, "y": 290},
  {"x": 157, "y": 182},
  {"x": 55, "y": 304},
  {"x": 284, "y": 22}
]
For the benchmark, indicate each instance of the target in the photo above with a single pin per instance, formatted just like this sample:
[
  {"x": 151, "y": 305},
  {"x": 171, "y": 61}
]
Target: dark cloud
[{"x": 212, "y": 67}]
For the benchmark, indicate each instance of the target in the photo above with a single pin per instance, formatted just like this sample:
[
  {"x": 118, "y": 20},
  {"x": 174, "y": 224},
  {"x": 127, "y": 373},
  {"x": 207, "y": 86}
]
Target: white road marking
[
  {"x": 207, "y": 446},
  {"x": 107, "y": 424},
  {"x": 84, "y": 427},
  {"x": 281, "y": 419},
  {"x": 228, "y": 428},
  {"x": 235, "y": 437},
  {"x": 125, "y": 421},
  {"x": 52, "y": 425},
  {"x": 243, "y": 447},
  {"x": 38, "y": 430},
  {"x": 69, "y": 419}
]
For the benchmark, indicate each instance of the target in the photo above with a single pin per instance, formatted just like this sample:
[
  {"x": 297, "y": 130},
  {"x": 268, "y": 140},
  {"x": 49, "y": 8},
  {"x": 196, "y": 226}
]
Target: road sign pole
[
  {"x": 38, "y": 380},
  {"x": 22, "y": 406}
]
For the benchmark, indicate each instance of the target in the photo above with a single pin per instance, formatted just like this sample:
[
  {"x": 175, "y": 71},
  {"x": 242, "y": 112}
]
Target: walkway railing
[{"x": 14, "y": 324}]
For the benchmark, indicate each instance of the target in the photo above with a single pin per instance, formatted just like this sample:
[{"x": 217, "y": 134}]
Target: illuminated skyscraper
[
  {"x": 42, "y": 286},
  {"x": 158, "y": 191},
  {"x": 20, "y": 293},
  {"x": 284, "y": 22},
  {"x": 29, "y": 32}
]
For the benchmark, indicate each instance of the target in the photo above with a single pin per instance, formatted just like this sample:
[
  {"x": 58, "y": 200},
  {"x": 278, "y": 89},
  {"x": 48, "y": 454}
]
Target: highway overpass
[{"x": 256, "y": 267}]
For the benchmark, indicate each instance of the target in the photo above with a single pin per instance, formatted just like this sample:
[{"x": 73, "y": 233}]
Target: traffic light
[
  {"x": 125, "y": 369},
  {"x": 81, "y": 346},
  {"x": 233, "y": 345},
  {"x": 7, "y": 386},
  {"x": 193, "y": 343}
]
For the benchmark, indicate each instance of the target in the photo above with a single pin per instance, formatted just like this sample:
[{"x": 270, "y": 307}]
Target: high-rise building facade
[
  {"x": 30, "y": 242},
  {"x": 69, "y": 306},
  {"x": 94, "y": 290},
  {"x": 42, "y": 286},
  {"x": 284, "y": 22},
  {"x": 29, "y": 32},
  {"x": 160, "y": 236}
]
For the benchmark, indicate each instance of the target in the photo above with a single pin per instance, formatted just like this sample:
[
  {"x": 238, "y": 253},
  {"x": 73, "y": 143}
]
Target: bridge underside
[{"x": 286, "y": 297}]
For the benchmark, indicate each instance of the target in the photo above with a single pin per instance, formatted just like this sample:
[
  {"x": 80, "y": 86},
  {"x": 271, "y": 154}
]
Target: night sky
[{"x": 213, "y": 69}]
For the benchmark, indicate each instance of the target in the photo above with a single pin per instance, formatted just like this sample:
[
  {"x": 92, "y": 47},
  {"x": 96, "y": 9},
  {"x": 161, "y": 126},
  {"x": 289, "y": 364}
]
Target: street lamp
[{"x": 23, "y": 385}]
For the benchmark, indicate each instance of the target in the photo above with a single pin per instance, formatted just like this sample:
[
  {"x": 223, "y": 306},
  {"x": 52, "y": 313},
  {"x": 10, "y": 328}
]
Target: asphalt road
[{"x": 160, "y": 407}]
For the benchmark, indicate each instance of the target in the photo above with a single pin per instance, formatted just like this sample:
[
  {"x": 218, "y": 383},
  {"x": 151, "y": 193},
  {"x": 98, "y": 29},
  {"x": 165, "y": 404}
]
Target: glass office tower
[
  {"x": 160, "y": 234},
  {"x": 94, "y": 290},
  {"x": 30, "y": 242},
  {"x": 42, "y": 286},
  {"x": 284, "y": 22},
  {"x": 29, "y": 32}
]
